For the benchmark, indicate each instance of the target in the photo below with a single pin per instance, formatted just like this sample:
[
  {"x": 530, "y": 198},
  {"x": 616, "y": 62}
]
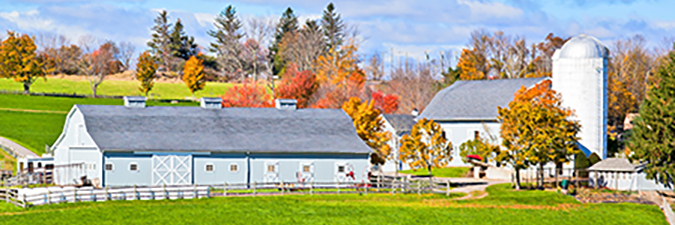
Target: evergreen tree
[
  {"x": 288, "y": 23},
  {"x": 182, "y": 46},
  {"x": 228, "y": 30},
  {"x": 653, "y": 137},
  {"x": 333, "y": 27},
  {"x": 160, "y": 44}
]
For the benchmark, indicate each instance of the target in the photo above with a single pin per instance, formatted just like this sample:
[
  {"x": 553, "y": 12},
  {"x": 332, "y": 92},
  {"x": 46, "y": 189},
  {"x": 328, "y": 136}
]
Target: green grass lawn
[
  {"x": 116, "y": 87},
  {"x": 512, "y": 208},
  {"x": 441, "y": 172}
]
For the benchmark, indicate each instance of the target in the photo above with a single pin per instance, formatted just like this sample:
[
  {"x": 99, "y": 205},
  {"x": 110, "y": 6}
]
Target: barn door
[{"x": 171, "y": 169}]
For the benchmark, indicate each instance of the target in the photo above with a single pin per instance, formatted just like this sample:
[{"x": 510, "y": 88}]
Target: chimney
[
  {"x": 134, "y": 101},
  {"x": 286, "y": 104},
  {"x": 211, "y": 103},
  {"x": 415, "y": 113}
]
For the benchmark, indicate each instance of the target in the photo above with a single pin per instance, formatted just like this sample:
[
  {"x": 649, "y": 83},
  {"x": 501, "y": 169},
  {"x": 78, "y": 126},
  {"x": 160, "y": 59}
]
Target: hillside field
[
  {"x": 116, "y": 88},
  {"x": 501, "y": 206}
]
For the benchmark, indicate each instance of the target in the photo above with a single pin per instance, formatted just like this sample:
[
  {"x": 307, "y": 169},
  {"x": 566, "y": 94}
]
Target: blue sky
[{"x": 409, "y": 27}]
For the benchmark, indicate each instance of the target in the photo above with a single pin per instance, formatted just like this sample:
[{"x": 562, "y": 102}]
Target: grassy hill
[
  {"x": 116, "y": 87},
  {"x": 502, "y": 206}
]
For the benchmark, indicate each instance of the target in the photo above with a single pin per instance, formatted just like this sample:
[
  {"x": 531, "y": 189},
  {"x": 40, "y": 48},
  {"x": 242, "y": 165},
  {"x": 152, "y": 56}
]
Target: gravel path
[{"x": 17, "y": 149}]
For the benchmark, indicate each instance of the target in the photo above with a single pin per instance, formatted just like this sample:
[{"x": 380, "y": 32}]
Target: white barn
[
  {"x": 147, "y": 146},
  {"x": 397, "y": 125}
]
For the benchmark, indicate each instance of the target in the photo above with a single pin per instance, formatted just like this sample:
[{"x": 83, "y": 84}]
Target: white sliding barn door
[{"x": 171, "y": 169}]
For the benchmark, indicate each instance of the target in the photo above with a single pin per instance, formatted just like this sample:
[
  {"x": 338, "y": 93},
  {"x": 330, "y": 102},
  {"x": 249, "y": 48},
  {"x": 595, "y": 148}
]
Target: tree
[
  {"x": 193, "y": 74},
  {"x": 19, "y": 60},
  {"x": 227, "y": 44},
  {"x": 369, "y": 126},
  {"x": 333, "y": 28},
  {"x": 145, "y": 72},
  {"x": 98, "y": 63},
  {"x": 182, "y": 46},
  {"x": 161, "y": 41},
  {"x": 297, "y": 85},
  {"x": 127, "y": 50},
  {"x": 339, "y": 77},
  {"x": 653, "y": 137},
  {"x": 248, "y": 94},
  {"x": 288, "y": 24},
  {"x": 384, "y": 102},
  {"x": 426, "y": 146},
  {"x": 535, "y": 130},
  {"x": 415, "y": 86},
  {"x": 301, "y": 48},
  {"x": 480, "y": 146}
]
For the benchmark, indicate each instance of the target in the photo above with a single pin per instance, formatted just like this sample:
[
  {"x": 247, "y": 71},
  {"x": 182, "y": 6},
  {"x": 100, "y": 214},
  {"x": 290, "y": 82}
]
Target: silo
[{"x": 580, "y": 76}]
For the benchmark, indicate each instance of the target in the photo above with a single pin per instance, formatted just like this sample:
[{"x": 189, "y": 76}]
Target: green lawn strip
[
  {"x": 440, "y": 172},
  {"x": 116, "y": 88},
  {"x": 31, "y": 130},
  {"x": 329, "y": 209},
  {"x": 64, "y": 104}
]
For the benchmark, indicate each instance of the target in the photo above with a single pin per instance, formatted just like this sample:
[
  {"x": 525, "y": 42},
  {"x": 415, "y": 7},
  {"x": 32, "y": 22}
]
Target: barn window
[
  {"x": 271, "y": 168},
  {"x": 39, "y": 165},
  {"x": 306, "y": 168},
  {"x": 341, "y": 169},
  {"x": 476, "y": 135},
  {"x": 234, "y": 167},
  {"x": 108, "y": 166},
  {"x": 133, "y": 167},
  {"x": 209, "y": 167}
]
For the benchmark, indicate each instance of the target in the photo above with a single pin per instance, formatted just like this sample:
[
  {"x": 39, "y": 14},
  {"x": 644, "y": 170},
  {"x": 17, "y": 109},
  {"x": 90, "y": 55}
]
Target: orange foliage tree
[
  {"x": 339, "y": 77},
  {"x": 297, "y": 85},
  {"x": 19, "y": 60},
  {"x": 249, "y": 94},
  {"x": 384, "y": 102},
  {"x": 469, "y": 65},
  {"x": 193, "y": 74}
]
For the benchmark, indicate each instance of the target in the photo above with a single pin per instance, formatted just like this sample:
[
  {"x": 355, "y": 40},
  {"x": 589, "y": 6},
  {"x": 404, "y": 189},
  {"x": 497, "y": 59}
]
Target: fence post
[
  {"x": 338, "y": 187},
  {"x": 74, "y": 195},
  {"x": 447, "y": 191},
  {"x": 195, "y": 189},
  {"x": 6, "y": 194},
  {"x": 282, "y": 187},
  {"x": 25, "y": 204},
  {"x": 136, "y": 193},
  {"x": 107, "y": 194},
  {"x": 255, "y": 184},
  {"x": 311, "y": 188},
  {"x": 225, "y": 189},
  {"x": 166, "y": 194},
  {"x": 419, "y": 187},
  {"x": 378, "y": 182},
  {"x": 49, "y": 197},
  {"x": 393, "y": 188}
]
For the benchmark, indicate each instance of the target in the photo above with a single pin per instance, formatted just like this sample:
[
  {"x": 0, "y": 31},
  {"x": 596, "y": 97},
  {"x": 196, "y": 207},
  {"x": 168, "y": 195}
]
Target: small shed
[{"x": 616, "y": 173}]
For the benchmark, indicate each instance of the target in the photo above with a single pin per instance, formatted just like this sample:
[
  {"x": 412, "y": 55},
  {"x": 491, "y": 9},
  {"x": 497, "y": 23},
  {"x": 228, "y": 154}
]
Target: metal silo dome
[{"x": 580, "y": 47}]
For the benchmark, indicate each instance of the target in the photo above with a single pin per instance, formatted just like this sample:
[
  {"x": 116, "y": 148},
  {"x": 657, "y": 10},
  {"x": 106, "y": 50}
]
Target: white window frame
[
  {"x": 274, "y": 175},
  {"x": 112, "y": 166},
  {"x": 206, "y": 167},
  {"x": 306, "y": 176},
  {"x": 137, "y": 169},
  {"x": 341, "y": 176},
  {"x": 236, "y": 166}
]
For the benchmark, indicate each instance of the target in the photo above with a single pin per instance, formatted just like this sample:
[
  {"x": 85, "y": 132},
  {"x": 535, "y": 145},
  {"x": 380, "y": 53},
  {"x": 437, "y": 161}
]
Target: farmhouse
[
  {"x": 138, "y": 145},
  {"x": 397, "y": 125},
  {"x": 468, "y": 109}
]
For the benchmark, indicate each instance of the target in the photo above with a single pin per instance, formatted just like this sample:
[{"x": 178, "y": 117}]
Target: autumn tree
[
  {"x": 126, "y": 54},
  {"x": 193, "y": 74},
  {"x": 302, "y": 47},
  {"x": 653, "y": 138},
  {"x": 298, "y": 85},
  {"x": 19, "y": 60},
  {"x": 145, "y": 72},
  {"x": 385, "y": 103},
  {"x": 99, "y": 63},
  {"x": 248, "y": 94},
  {"x": 426, "y": 147},
  {"x": 536, "y": 130},
  {"x": 414, "y": 84},
  {"x": 339, "y": 77},
  {"x": 369, "y": 126},
  {"x": 485, "y": 147},
  {"x": 288, "y": 24}
]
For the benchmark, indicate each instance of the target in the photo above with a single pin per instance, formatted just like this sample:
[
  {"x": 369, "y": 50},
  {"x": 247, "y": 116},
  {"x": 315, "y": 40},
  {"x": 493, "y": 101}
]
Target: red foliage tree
[
  {"x": 384, "y": 102},
  {"x": 335, "y": 95},
  {"x": 249, "y": 94},
  {"x": 297, "y": 85}
]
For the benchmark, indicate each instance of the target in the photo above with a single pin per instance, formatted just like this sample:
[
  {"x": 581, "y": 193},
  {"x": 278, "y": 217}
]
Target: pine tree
[
  {"x": 227, "y": 44},
  {"x": 333, "y": 27},
  {"x": 161, "y": 40},
  {"x": 182, "y": 46},
  {"x": 288, "y": 23},
  {"x": 653, "y": 137}
]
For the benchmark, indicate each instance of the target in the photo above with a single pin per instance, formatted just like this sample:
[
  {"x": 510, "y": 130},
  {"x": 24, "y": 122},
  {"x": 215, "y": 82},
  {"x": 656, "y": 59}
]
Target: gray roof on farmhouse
[
  {"x": 119, "y": 128},
  {"x": 402, "y": 123},
  {"x": 475, "y": 100}
]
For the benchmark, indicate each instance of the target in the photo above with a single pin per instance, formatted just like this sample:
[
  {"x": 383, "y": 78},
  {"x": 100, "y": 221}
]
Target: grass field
[
  {"x": 441, "y": 172},
  {"x": 502, "y": 206},
  {"x": 116, "y": 87}
]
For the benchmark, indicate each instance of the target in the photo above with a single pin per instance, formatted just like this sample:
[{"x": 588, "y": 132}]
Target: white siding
[{"x": 76, "y": 146}]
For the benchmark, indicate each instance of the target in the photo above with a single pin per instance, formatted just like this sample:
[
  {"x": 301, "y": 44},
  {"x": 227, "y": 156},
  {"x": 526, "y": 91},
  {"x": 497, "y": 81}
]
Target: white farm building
[{"x": 147, "y": 146}]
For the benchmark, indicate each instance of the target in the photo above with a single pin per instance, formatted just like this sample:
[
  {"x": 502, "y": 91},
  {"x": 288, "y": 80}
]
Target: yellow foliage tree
[
  {"x": 145, "y": 72},
  {"x": 19, "y": 60},
  {"x": 471, "y": 65},
  {"x": 337, "y": 65},
  {"x": 370, "y": 128},
  {"x": 426, "y": 146},
  {"x": 535, "y": 130},
  {"x": 193, "y": 74}
]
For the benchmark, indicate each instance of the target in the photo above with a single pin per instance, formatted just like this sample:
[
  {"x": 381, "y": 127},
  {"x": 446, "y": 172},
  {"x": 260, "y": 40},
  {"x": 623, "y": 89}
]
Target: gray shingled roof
[
  {"x": 402, "y": 123},
  {"x": 118, "y": 128},
  {"x": 614, "y": 164},
  {"x": 474, "y": 100}
]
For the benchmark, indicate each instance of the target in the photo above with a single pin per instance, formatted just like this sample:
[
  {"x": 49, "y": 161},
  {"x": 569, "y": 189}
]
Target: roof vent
[
  {"x": 134, "y": 101},
  {"x": 211, "y": 103},
  {"x": 286, "y": 104},
  {"x": 414, "y": 112}
]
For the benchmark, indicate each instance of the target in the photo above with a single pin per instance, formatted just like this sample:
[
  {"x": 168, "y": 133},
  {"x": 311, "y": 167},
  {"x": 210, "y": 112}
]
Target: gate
[{"x": 171, "y": 169}]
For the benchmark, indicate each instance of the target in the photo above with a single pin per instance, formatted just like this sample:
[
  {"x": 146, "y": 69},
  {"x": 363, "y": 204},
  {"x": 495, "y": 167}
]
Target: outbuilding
[{"x": 139, "y": 145}]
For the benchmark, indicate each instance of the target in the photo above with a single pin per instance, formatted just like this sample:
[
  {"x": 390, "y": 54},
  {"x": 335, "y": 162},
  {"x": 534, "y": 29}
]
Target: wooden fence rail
[{"x": 43, "y": 196}]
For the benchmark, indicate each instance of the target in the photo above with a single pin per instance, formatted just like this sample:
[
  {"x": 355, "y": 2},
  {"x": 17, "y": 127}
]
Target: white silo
[{"x": 580, "y": 76}]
